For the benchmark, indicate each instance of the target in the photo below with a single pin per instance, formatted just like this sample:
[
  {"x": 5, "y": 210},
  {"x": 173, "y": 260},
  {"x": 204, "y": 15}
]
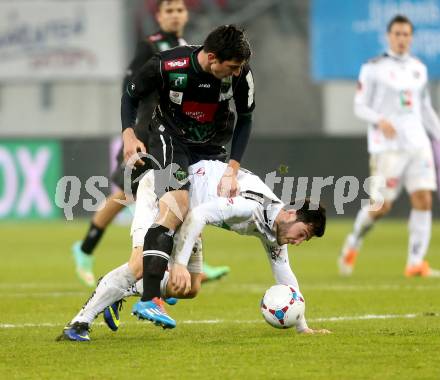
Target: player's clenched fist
[
  {"x": 131, "y": 148},
  {"x": 180, "y": 279}
]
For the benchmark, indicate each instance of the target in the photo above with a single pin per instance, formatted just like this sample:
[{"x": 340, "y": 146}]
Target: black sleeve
[
  {"x": 241, "y": 135},
  {"x": 146, "y": 81},
  {"x": 144, "y": 51}
]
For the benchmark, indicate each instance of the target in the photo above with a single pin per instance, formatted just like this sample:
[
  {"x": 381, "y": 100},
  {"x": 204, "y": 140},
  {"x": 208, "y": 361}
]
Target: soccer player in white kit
[
  {"x": 394, "y": 100},
  {"x": 256, "y": 211}
]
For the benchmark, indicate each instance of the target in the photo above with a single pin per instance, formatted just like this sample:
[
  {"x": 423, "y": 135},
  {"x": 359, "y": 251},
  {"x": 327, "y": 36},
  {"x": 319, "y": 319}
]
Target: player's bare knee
[
  {"x": 173, "y": 207},
  {"x": 421, "y": 200},
  {"x": 381, "y": 211}
]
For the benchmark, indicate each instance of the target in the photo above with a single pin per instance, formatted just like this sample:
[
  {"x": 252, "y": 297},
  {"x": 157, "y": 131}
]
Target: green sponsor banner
[{"x": 29, "y": 172}]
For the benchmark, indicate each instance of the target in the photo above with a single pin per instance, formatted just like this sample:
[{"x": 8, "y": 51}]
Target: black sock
[
  {"x": 92, "y": 239},
  {"x": 158, "y": 245}
]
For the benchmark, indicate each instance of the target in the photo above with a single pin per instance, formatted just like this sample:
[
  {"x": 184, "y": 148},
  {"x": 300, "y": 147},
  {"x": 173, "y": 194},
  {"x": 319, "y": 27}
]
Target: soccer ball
[{"x": 282, "y": 306}]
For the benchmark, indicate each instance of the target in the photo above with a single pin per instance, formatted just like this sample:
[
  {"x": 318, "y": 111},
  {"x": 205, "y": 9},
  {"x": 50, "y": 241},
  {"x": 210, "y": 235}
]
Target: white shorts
[
  {"x": 145, "y": 213},
  {"x": 393, "y": 170}
]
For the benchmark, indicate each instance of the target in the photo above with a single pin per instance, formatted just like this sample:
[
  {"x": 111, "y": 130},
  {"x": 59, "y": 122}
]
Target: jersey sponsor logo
[
  {"x": 392, "y": 183},
  {"x": 178, "y": 81},
  {"x": 275, "y": 251},
  {"x": 202, "y": 112},
  {"x": 155, "y": 37},
  {"x": 180, "y": 63},
  {"x": 416, "y": 74},
  {"x": 131, "y": 88},
  {"x": 176, "y": 96},
  {"x": 204, "y": 85},
  {"x": 200, "y": 171},
  {"x": 406, "y": 99},
  {"x": 181, "y": 175},
  {"x": 162, "y": 46}
]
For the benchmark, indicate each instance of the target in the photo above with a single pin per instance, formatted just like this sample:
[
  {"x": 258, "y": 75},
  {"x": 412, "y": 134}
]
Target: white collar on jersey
[{"x": 399, "y": 57}]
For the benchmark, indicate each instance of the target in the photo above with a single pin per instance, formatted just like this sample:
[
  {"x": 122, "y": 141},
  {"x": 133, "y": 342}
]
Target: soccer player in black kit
[
  {"x": 195, "y": 85},
  {"x": 172, "y": 16}
]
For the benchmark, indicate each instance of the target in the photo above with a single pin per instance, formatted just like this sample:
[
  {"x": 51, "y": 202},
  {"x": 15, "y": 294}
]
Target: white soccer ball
[{"x": 282, "y": 306}]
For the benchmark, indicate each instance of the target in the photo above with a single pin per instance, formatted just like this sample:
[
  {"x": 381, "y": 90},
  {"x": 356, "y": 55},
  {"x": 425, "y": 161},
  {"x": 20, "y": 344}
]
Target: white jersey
[
  {"x": 253, "y": 212},
  {"x": 395, "y": 88},
  {"x": 257, "y": 205}
]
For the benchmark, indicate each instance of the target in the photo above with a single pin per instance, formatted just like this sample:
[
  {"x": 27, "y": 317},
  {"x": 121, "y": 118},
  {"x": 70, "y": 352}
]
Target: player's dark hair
[
  {"x": 399, "y": 19},
  {"x": 310, "y": 213},
  {"x": 228, "y": 43},
  {"x": 160, "y": 2}
]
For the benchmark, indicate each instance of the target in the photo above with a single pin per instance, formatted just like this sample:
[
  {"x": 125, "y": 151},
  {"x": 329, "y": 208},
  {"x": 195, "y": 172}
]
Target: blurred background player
[
  {"x": 393, "y": 97},
  {"x": 172, "y": 16}
]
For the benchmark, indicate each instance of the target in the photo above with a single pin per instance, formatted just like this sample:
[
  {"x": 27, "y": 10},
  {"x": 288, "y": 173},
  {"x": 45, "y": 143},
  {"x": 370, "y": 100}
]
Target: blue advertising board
[{"x": 346, "y": 33}]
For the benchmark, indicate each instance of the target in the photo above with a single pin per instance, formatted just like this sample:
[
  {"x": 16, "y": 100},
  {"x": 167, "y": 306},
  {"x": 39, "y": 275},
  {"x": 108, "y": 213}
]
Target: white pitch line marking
[
  {"x": 237, "y": 321},
  {"x": 38, "y": 285},
  {"x": 19, "y": 289},
  {"x": 43, "y": 294}
]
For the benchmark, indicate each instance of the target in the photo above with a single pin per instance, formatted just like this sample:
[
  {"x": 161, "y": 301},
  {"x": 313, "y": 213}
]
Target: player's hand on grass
[
  {"x": 132, "y": 145},
  {"x": 309, "y": 331},
  {"x": 180, "y": 279},
  {"x": 387, "y": 129}
]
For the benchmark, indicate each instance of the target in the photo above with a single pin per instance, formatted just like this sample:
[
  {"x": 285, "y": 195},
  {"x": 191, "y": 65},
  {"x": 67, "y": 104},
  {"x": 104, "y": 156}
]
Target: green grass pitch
[{"x": 221, "y": 334}]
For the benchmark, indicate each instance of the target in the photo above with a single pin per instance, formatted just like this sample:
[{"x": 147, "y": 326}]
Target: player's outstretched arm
[{"x": 283, "y": 274}]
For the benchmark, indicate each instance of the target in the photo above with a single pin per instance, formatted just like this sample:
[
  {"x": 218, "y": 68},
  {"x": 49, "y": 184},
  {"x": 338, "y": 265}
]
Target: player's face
[
  {"x": 172, "y": 16},
  {"x": 224, "y": 69},
  {"x": 294, "y": 233},
  {"x": 400, "y": 37}
]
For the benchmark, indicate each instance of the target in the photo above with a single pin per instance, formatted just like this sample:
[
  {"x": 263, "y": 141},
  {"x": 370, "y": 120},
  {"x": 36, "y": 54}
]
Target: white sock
[
  {"x": 135, "y": 290},
  {"x": 110, "y": 289},
  {"x": 362, "y": 225},
  {"x": 419, "y": 226}
]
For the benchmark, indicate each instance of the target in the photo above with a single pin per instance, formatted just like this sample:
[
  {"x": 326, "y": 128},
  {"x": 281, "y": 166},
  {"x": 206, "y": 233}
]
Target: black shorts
[{"x": 169, "y": 157}]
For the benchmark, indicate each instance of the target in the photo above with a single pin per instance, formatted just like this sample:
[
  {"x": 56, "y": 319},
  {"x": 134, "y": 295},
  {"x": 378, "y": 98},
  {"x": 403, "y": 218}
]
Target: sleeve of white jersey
[
  {"x": 215, "y": 212},
  {"x": 283, "y": 274},
  {"x": 430, "y": 119},
  {"x": 364, "y": 93}
]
